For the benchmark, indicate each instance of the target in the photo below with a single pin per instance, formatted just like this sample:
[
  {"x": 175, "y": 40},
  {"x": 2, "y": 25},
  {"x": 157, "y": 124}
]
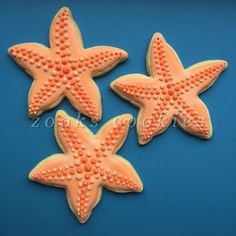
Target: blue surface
[{"x": 190, "y": 184}]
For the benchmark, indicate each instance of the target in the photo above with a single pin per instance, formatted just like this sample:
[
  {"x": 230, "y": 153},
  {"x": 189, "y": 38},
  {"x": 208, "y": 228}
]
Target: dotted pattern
[
  {"x": 167, "y": 94},
  {"x": 89, "y": 166},
  {"x": 64, "y": 72}
]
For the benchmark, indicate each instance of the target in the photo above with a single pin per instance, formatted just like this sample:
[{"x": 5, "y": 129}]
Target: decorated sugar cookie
[
  {"x": 169, "y": 92},
  {"x": 89, "y": 162},
  {"x": 65, "y": 69}
]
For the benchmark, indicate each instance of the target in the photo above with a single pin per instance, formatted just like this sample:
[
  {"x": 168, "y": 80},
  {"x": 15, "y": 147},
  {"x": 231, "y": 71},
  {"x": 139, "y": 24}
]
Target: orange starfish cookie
[
  {"x": 66, "y": 68},
  {"x": 170, "y": 92},
  {"x": 89, "y": 163}
]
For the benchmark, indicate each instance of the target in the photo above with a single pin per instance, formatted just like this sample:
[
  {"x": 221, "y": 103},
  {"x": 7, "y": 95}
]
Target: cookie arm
[
  {"x": 122, "y": 176},
  {"x": 64, "y": 30},
  {"x": 114, "y": 132},
  {"x": 135, "y": 88},
  {"x": 70, "y": 133},
  {"x": 195, "y": 119},
  {"x": 51, "y": 171},
  {"x": 82, "y": 200},
  {"x": 205, "y": 73},
  {"x": 152, "y": 121},
  {"x": 162, "y": 60},
  {"x": 101, "y": 59},
  {"x": 32, "y": 57}
]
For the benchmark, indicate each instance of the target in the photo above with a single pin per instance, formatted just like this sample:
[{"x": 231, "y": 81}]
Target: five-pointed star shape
[
  {"x": 66, "y": 68},
  {"x": 170, "y": 92},
  {"x": 89, "y": 163}
]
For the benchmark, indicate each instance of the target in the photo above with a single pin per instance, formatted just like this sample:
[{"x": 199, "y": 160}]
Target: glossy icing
[
  {"x": 89, "y": 162},
  {"x": 66, "y": 68},
  {"x": 169, "y": 92}
]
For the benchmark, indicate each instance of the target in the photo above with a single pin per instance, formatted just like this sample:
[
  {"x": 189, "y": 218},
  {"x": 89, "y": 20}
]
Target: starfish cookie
[
  {"x": 89, "y": 163},
  {"x": 66, "y": 68},
  {"x": 170, "y": 92}
]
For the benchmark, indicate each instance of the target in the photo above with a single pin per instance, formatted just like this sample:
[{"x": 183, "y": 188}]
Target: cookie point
[
  {"x": 225, "y": 64},
  {"x": 209, "y": 135},
  {"x": 143, "y": 141},
  {"x": 82, "y": 220},
  {"x": 60, "y": 112},
  {"x": 31, "y": 175},
  {"x": 129, "y": 117},
  {"x": 222, "y": 64},
  {"x": 124, "y": 54},
  {"x": 96, "y": 118},
  {"x": 115, "y": 85},
  {"x": 158, "y": 36},
  {"x": 65, "y": 9},
  {"x": 126, "y": 119},
  {"x": 32, "y": 114},
  {"x": 140, "y": 188},
  {"x": 10, "y": 50},
  {"x": 205, "y": 134}
]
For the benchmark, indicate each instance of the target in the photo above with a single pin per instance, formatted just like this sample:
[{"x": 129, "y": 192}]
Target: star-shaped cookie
[
  {"x": 169, "y": 92},
  {"x": 66, "y": 68},
  {"x": 89, "y": 162}
]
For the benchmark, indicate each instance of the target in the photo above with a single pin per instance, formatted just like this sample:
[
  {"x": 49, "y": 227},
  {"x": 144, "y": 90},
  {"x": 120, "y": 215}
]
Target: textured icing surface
[
  {"x": 170, "y": 92},
  {"x": 89, "y": 162},
  {"x": 66, "y": 68}
]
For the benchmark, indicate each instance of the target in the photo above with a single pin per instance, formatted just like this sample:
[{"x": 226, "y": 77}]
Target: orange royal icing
[
  {"x": 89, "y": 163},
  {"x": 170, "y": 92},
  {"x": 66, "y": 68}
]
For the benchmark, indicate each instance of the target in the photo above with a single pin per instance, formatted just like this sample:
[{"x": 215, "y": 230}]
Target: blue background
[{"x": 190, "y": 184}]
